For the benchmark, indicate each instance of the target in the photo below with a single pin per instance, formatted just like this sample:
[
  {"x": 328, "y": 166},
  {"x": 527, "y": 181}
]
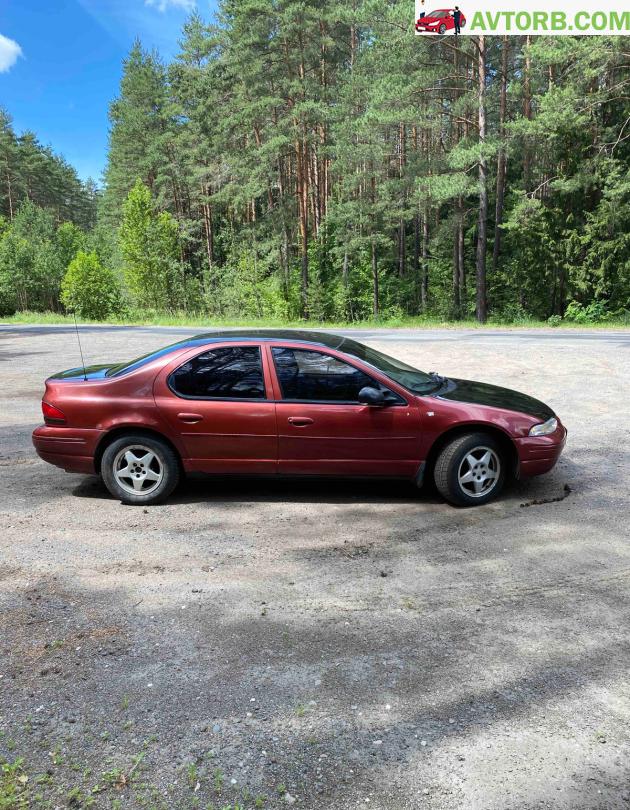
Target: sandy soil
[{"x": 323, "y": 645}]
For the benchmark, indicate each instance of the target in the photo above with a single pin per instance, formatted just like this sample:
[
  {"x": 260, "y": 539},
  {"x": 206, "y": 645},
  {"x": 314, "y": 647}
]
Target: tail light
[{"x": 52, "y": 415}]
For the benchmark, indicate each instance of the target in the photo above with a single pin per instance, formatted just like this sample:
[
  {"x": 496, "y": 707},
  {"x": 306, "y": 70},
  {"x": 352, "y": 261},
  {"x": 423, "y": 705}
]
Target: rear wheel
[
  {"x": 470, "y": 470},
  {"x": 139, "y": 469}
]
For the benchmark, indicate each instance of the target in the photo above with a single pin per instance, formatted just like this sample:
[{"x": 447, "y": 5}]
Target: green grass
[
  {"x": 410, "y": 322},
  {"x": 14, "y": 793}
]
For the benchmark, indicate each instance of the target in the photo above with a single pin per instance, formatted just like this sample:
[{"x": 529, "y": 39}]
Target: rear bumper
[
  {"x": 72, "y": 449},
  {"x": 539, "y": 454}
]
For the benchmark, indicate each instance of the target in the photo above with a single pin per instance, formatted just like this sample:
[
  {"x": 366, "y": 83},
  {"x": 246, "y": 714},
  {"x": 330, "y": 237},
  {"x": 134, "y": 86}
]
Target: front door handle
[
  {"x": 300, "y": 421},
  {"x": 189, "y": 418}
]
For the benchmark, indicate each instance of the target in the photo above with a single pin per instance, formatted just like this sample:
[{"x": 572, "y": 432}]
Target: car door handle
[
  {"x": 189, "y": 418},
  {"x": 300, "y": 421}
]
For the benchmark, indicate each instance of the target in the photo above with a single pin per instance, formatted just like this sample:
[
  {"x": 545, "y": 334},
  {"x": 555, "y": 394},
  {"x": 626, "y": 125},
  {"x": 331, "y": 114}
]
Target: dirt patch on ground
[{"x": 266, "y": 644}]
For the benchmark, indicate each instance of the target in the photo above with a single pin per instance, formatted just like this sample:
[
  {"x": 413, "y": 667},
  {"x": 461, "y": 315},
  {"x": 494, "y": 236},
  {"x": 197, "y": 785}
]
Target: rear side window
[
  {"x": 233, "y": 372},
  {"x": 315, "y": 377}
]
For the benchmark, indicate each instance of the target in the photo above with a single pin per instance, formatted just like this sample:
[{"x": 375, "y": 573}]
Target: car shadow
[{"x": 199, "y": 488}]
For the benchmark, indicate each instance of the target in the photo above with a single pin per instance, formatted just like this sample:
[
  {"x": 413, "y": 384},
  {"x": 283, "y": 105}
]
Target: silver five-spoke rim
[
  {"x": 479, "y": 471},
  {"x": 138, "y": 470}
]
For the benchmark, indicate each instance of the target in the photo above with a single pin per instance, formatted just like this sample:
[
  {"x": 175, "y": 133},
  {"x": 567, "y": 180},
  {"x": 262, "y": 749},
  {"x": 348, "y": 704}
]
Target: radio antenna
[{"x": 76, "y": 326}]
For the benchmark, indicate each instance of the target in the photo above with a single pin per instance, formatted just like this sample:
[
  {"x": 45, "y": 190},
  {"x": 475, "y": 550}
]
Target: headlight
[{"x": 550, "y": 426}]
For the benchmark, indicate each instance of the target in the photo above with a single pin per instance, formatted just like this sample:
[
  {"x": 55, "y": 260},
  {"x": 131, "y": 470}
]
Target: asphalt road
[{"x": 323, "y": 645}]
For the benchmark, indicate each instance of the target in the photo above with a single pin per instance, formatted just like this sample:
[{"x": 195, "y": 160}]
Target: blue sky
[{"x": 60, "y": 65}]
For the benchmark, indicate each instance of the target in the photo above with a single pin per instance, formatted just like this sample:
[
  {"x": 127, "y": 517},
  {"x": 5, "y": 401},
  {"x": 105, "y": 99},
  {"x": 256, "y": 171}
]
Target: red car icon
[{"x": 439, "y": 21}]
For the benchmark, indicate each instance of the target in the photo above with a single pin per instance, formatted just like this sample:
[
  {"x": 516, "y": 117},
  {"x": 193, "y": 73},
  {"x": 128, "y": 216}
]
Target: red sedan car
[
  {"x": 290, "y": 403},
  {"x": 439, "y": 21}
]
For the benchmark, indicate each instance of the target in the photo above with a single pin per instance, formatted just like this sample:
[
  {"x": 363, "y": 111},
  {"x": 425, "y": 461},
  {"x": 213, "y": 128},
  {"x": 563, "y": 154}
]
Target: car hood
[{"x": 478, "y": 393}]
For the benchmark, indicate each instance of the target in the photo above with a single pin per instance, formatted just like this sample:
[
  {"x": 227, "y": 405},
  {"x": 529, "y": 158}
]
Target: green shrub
[
  {"x": 89, "y": 289},
  {"x": 595, "y": 312},
  {"x": 554, "y": 320},
  {"x": 511, "y": 314}
]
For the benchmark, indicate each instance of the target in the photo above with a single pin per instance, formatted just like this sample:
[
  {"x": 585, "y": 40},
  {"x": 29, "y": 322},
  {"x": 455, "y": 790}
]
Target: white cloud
[
  {"x": 164, "y": 5},
  {"x": 9, "y": 52}
]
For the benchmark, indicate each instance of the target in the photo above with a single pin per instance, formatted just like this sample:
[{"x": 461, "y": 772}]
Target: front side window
[
  {"x": 233, "y": 372},
  {"x": 312, "y": 376}
]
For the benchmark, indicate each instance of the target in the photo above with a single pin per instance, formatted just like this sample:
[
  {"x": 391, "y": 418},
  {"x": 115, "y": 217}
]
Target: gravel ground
[{"x": 322, "y": 645}]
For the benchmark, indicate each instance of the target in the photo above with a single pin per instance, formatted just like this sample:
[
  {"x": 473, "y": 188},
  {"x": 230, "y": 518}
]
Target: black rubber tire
[
  {"x": 442, "y": 29},
  {"x": 168, "y": 459},
  {"x": 447, "y": 466}
]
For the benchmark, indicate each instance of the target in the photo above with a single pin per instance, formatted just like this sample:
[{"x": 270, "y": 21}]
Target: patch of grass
[
  {"x": 218, "y": 779},
  {"x": 54, "y": 645},
  {"x": 14, "y": 792},
  {"x": 56, "y": 756},
  {"x": 409, "y": 322},
  {"x": 192, "y": 774}
]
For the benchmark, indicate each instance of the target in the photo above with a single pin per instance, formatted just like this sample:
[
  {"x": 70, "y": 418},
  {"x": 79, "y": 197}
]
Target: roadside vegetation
[
  {"x": 316, "y": 163},
  {"x": 184, "y": 319}
]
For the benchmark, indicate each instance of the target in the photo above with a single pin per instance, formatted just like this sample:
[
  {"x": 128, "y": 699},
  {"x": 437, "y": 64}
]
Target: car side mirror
[{"x": 372, "y": 397}]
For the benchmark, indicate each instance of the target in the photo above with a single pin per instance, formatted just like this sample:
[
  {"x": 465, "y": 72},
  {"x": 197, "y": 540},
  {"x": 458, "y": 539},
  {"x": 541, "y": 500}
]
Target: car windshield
[
  {"x": 437, "y": 14},
  {"x": 418, "y": 382}
]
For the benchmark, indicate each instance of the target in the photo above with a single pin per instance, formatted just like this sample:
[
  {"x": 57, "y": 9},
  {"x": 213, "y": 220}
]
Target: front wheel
[
  {"x": 442, "y": 29},
  {"x": 140, "y": 470},
  {"x": 470, "y": 470}
]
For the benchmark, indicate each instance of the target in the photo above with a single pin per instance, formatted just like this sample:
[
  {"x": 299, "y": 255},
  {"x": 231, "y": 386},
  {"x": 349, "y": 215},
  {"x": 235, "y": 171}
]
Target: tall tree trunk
[
  {"x": 9, "y": 191},
  {"x": 375, "y": 301},
  {"x": 285, "y": 248},
  {"x": 208, "y": 227},
  {"x": 462, "y": 266},
  {"x": 302, "y": 192},
  {"x": 424, "y": 286},
  {"x": 457, "y": 304},
  {"x": 402, "y": 252},
  {"x": 416, "y": 255},
  {"x": 502, "y": 156},
  {"x": 482, "y": 302},
  {"x": 459, "y": 280},
  {"x": 527, "y": 112},
  {"x": 402, "y": 159}
]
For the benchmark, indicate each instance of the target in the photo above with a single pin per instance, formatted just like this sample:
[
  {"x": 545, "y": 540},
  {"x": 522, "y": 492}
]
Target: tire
[
  {"x": 470, "y": 470},
  {"x": 442, "y": 29},
  {"x": 140, "y": 470}
]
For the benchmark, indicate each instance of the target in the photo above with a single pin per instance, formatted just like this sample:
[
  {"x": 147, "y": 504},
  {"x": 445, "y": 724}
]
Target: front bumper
[
  {"x": 72, "y": 449},
  {"x": 539, "y": 454}
]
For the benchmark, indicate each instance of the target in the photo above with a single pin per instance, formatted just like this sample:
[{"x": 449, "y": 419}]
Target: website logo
[{"x": 564, "y": 18}]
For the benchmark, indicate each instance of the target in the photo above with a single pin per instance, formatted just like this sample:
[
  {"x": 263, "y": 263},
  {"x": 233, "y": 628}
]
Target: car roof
[{"x": 328, "y": 339}]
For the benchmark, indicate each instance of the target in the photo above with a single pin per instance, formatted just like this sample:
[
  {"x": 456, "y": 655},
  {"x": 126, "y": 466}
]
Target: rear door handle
[
  {"x": 300, "y": 421},
  {"x": 189, "y": 418}
]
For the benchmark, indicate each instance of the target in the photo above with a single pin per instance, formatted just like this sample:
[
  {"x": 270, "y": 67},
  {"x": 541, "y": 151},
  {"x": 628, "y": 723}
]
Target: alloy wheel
[
  {"x": 138, "y": 470},
  {"x": 479, "y": 471}
]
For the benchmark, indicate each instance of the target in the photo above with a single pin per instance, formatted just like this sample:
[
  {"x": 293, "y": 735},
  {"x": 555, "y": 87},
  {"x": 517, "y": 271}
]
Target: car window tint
[
  {"x": 313, "y": 376},
  {"x": 233, "y": 372}
]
